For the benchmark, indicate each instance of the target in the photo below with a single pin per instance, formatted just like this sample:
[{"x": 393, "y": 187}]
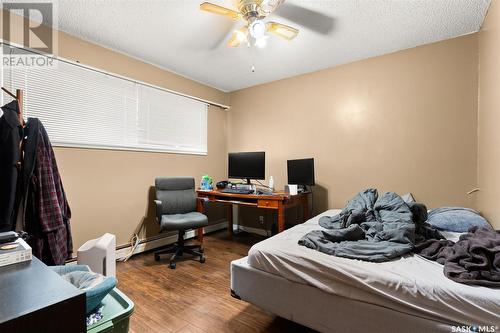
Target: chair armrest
[
  {"x": 159, "y": 211},
  {"x": 203, "y": 204}
]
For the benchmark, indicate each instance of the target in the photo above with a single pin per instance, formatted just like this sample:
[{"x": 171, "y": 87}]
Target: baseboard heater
[{"x": 160, "y": 240}]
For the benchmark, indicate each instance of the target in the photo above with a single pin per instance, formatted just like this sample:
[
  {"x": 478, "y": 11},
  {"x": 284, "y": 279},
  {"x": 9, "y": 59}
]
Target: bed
[{"x": 328, "y": 293}]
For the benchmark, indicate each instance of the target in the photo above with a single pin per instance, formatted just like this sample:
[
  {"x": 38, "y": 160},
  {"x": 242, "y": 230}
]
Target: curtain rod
[{"x": 76, "y": 63}]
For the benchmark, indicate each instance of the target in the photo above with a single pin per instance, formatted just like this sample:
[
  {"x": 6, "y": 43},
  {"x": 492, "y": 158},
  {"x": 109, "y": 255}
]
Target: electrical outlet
[{"x": 261, "y": 220}]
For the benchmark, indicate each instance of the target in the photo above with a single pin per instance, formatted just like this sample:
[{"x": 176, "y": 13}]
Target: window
[{"x": 82, "y": 107}]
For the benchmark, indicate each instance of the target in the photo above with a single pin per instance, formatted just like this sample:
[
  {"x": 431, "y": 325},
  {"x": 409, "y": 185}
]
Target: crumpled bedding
[
  {"x": 372, "y": 229},
  {"x": 473, "y": 259}
]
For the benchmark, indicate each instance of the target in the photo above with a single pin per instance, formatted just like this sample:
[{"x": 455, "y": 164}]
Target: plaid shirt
[{"x": 54, "y": 245}]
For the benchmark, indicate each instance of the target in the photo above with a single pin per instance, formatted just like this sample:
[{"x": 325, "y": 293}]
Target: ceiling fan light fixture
[
  {"x": 257, "y": 29},
  {"x": 261, "y": 42}
]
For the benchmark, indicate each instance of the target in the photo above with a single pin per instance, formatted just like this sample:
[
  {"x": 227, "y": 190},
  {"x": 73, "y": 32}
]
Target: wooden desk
[{"x": 278, "y": 201}]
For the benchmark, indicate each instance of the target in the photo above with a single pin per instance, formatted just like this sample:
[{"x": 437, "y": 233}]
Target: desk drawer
[{"x": 267, "y": 203}]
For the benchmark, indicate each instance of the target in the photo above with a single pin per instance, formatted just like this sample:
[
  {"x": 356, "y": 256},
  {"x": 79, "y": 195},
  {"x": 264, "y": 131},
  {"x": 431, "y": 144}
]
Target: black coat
[{"x": 11, "y": 133}]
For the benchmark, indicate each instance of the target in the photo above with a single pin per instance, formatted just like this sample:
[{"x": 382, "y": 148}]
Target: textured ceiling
[{"x": 176, "y": 35}]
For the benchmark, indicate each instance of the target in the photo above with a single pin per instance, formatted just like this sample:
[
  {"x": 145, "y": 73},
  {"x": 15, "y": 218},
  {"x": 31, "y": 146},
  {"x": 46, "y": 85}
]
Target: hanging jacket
[
  {"x": 10, "y": 138},
  {"x": 47, "y": 213}
]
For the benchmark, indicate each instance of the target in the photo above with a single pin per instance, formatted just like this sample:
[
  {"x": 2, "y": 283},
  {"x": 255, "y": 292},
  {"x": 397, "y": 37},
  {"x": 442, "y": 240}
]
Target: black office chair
[{"x": 176, "y": 210}]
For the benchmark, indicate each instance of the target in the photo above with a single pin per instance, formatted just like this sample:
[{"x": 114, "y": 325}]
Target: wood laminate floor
[{"x": 194, "y": 297}]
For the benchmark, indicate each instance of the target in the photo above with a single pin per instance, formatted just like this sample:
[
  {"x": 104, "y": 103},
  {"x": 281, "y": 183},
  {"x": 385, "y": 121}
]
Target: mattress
[
  {"x": 324, "y": 312},
  {"x": 411, "y": 284}
]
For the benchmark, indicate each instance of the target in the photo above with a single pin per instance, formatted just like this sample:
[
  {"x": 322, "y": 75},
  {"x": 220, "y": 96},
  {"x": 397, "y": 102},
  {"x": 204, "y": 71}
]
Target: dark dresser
[{"x": 33, "y": 298}]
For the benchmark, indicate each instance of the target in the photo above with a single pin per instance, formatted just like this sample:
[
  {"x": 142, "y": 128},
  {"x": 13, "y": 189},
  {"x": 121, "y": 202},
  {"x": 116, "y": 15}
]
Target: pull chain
[{"x": 252, "y": 54}]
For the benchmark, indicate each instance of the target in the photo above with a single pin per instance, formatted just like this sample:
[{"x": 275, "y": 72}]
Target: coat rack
[{"x": 19, "y": 98}]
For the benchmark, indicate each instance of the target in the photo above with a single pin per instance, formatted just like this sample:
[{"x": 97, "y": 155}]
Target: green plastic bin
[{"x": 116, "y": 311}]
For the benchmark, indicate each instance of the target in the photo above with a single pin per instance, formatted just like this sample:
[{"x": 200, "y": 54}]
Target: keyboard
[{"x": 236, "y": 191}]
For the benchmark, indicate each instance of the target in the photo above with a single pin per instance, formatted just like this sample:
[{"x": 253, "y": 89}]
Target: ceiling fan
[{"x": 253, "y": 13}]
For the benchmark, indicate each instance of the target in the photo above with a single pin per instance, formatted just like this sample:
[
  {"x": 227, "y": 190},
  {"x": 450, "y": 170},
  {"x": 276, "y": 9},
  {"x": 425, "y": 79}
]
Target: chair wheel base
[{"x": 178, "y": 250}]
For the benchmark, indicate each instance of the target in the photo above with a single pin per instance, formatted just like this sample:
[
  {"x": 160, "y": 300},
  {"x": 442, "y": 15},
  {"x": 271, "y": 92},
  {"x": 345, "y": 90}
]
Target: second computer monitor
[
  {"x": 301, "y": 172},
  {"x": 251, "y": 165}
]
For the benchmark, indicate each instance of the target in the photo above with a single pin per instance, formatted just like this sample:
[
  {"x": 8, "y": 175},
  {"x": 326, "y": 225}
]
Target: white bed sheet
[
  {"x": 411, "y": 284},
  {"x": 322, "y": 311}
]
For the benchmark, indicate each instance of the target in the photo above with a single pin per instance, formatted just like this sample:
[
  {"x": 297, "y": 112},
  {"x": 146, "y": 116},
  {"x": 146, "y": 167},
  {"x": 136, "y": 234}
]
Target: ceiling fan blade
[
  {"x": 239, "y": 36},
  {"x": 314, "y": 20},
  {"x": 216, "y": 9},
  {"x": 223, "y": 35},
  {"x": 281, "y": 30}
]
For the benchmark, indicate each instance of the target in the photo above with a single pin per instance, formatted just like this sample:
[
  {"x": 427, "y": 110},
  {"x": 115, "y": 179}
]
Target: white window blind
[{"x": 81, "y": 107}]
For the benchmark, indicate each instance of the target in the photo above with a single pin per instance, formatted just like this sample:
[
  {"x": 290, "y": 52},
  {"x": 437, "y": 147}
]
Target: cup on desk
[{"x": 291, "y": 189}]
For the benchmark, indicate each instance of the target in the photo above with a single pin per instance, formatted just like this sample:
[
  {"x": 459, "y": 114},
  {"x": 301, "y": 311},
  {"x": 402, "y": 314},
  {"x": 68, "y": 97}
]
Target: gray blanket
[
  {"x": 372, "y": 229},
  {"x": 474, "y": 259}
]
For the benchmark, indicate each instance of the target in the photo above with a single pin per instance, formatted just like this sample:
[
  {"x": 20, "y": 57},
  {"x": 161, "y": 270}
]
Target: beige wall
[
  {"x": 403, "y": 122},
  {"x": 489, "y": 117},
  {"x": 110, "y": 191}
]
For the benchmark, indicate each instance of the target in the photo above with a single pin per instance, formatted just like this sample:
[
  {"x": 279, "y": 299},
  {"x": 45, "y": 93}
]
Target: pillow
[{"x": 456, "y": 219}]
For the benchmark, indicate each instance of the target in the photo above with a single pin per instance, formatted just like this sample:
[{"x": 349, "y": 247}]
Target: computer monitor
[
  {"x": 301, "y": 172},
  {"x": 251, "y": 165}
]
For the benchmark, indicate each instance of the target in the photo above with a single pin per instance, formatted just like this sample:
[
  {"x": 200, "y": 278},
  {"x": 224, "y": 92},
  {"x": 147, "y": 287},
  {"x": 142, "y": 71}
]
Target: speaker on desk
[{"x": 291, "y": 189}]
